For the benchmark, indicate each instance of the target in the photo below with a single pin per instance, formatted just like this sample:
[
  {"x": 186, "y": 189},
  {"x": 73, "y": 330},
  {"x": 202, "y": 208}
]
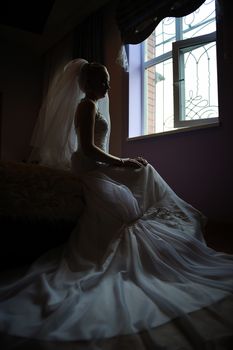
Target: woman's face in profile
[{"x": 101, "y": 82}]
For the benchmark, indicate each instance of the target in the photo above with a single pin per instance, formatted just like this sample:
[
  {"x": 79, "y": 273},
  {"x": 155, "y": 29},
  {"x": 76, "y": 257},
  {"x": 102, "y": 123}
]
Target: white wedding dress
[{"x": 136, "y": 260}]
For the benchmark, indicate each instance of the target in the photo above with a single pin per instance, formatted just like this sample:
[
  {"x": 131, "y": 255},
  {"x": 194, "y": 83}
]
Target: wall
[
  {"x": 112, "y": 44},
  {"x": 196, "y": 164},
  {"x": 20, "y": 85},
  {"x": 25, "y": 74}
]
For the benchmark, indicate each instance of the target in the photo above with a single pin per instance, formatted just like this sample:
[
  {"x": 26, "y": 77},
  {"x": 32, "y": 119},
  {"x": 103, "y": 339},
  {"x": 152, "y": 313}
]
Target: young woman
[
  {"x": 137, "y": 258},
  {"x": 95, "y": 82}
]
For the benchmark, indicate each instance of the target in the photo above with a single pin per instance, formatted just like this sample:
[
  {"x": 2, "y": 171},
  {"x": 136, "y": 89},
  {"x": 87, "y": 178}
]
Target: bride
[{"x": 137, "y": 258}]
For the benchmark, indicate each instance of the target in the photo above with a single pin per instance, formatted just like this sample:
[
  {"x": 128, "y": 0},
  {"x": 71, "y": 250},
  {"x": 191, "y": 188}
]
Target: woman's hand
[
  {"x": 135, "y": 163},
  {"x": 142, "y": 161}
]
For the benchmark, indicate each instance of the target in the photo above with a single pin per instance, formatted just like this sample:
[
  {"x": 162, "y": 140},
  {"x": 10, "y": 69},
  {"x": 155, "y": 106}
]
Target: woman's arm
[{"x": 85, "y": 122}]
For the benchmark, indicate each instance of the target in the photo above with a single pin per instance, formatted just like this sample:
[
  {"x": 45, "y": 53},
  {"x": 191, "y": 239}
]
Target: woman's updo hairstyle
[{"x": 88, "y": 75}]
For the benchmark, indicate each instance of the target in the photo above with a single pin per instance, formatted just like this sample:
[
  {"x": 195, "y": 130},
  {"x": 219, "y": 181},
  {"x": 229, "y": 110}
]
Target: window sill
[{"x": 176, "y": 131}]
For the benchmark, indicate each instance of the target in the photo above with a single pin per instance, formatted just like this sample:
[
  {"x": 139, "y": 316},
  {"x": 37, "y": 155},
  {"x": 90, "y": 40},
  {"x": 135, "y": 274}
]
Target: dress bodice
[{"x": 80, "y": 162}]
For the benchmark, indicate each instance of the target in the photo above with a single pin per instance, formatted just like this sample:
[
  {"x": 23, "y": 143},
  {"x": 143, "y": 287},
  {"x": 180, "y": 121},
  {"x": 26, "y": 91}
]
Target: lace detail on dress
[
  {"x": 172, "y": 217},
  {"x": 101, "y": 129}
]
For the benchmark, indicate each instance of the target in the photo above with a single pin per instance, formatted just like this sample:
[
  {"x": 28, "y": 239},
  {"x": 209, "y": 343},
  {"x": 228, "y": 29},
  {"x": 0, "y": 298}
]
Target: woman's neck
[{"x": 92, "y": 97}]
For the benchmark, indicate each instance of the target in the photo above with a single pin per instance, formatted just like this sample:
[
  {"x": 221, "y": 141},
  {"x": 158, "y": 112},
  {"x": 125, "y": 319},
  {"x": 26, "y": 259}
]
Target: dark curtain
[
  {"x": 88, "y": 38},
  {"x": 136, "y": 19}
]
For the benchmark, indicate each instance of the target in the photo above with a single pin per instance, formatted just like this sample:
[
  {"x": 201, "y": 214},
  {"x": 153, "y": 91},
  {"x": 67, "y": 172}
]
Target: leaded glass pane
[
  {"x": 200, "y": 22},
  {"x": 200, "y": 82},
  {"x": 160, "y": 41}
]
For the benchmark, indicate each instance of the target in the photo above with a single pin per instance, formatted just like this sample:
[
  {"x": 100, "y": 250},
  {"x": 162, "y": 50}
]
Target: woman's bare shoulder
[{"x": 87, "y": 104}]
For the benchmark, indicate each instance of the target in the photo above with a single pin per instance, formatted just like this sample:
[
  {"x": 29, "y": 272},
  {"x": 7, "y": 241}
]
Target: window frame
[
  {"x": 179, "y": 122},
  {"x": 179, "y": 125}
]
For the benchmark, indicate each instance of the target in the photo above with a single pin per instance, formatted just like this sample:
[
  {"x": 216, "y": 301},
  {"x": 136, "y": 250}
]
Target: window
[{"x": 173, "y": 75}]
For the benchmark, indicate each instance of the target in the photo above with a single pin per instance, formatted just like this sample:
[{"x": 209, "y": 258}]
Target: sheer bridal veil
[{"x": 54, "y": 138}]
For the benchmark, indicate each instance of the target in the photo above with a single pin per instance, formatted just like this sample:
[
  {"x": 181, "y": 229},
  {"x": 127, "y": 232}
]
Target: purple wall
[{"x": 198, "y": 164}]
